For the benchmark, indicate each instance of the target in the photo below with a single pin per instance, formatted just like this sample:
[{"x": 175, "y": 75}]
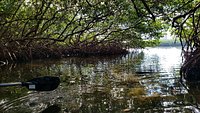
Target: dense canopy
[{"x": 57, "y": 28}]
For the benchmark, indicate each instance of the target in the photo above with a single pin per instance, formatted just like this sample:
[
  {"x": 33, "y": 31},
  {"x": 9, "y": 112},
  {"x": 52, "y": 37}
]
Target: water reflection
[
  {"x": 161, "y": 59},
  {"x": 142, "y": 81}
]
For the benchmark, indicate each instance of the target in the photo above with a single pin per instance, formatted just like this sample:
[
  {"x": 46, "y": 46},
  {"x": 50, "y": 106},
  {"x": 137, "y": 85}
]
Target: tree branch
[
  {"x": 136, "y": 9},
  {"x": 184, "y": 15},
  {"x": 148, "y": 9}
]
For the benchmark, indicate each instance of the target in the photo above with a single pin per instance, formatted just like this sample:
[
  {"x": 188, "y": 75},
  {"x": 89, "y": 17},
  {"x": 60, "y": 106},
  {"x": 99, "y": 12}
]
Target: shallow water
[{"x": 144, "y": 81}]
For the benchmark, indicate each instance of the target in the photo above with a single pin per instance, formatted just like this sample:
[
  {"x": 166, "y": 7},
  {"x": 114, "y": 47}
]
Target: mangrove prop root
[
  {"x": 190, "y": 70},
  {"x": 41, "y": 52}
]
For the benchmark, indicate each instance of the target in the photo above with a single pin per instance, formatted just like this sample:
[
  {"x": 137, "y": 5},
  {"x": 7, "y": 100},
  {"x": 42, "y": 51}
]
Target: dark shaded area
[
  {"x": 190, "y": 70},
  {"x": 52, "y": 109}
]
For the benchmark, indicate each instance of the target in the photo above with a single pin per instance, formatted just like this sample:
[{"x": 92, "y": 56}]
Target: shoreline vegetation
[
  {"x": 169, "y": 42},
  {"x": 25, "y": 54},
  {"x": 50, "y": 29}
]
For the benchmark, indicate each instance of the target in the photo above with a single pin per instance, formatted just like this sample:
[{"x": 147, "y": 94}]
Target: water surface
[{"x": 142, "y": 81}]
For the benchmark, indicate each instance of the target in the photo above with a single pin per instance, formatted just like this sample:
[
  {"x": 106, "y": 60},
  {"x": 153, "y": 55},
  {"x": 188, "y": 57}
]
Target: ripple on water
[{"x": 94, "y": 85}]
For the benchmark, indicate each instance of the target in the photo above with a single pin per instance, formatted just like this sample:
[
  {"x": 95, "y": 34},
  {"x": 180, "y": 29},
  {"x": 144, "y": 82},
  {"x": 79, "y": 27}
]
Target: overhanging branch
[
  {"x": 148, "y": 9},
  {"x": 185, "y": 15}
]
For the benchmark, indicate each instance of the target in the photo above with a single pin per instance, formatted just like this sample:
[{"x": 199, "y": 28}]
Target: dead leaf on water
[{"x": 126, "y": 110}]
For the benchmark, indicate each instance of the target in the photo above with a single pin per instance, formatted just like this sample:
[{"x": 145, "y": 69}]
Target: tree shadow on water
[{"x": 52, "y": 109}]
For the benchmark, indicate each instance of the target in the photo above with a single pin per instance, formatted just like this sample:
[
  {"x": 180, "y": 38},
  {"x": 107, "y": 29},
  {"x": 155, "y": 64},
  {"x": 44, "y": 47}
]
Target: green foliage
[
  {"x": 75, "y": 23},
  {"x": 47, "y": 22}
]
